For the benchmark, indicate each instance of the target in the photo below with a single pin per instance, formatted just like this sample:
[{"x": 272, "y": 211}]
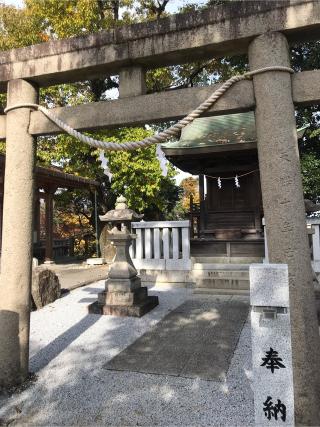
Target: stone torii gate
[{"x": 263, "y": 29}]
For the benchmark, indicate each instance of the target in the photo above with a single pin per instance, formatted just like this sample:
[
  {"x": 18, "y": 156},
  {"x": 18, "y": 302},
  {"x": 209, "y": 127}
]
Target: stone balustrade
[
  {"x": 161, "y": 245},
  {"x": 314, "y": 224}
]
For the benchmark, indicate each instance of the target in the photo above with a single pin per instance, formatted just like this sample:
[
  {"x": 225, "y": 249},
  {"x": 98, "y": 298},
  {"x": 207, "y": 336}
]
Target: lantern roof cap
[{"x": 121, "y": 213}]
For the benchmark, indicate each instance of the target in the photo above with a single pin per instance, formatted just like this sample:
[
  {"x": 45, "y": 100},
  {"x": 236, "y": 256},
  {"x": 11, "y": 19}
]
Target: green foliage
[
  {"x": 18, "y": 28},
  {"x": 306, "y": 56},
  {"x": 310, "y": 167},
  {"x": 149, "y": 10},
  {"x": 137, "y": 174}
]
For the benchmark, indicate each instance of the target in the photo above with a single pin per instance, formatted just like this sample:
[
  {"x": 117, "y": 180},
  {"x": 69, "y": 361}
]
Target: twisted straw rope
[
  {"x": 160, "y": 137},
  {"x": 232, "y": 177}
]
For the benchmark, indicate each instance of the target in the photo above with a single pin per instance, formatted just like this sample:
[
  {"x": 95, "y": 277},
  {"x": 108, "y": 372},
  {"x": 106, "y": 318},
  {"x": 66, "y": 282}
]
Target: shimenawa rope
[
  {"x": 232, "y": 177},
  {"x": 160, "y": 137}
]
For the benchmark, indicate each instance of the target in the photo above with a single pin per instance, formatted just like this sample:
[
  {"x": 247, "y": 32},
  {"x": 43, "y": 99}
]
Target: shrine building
[{"x": 222, "y": 151}]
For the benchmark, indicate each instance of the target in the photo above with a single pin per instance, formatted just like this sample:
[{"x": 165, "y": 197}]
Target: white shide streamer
[
  {"x": 162, "y": 160},
  {"x": 105, "y": 165}
]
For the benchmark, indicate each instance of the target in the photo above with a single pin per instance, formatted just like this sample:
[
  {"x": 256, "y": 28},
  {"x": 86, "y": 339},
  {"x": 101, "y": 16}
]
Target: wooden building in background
[
  {"x": 48, "y": 181},
  {"x": 222, "y": 151}
]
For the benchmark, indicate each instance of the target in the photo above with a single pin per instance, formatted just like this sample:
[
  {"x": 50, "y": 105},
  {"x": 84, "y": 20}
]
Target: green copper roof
[{"x": 219, "y": 130}]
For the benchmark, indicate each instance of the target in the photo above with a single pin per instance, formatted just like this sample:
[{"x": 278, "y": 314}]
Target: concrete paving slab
[
  {"x": 166, "y": 360},
  {"x": 206, "y": 365},
  {"x": 196, "y": 340}
]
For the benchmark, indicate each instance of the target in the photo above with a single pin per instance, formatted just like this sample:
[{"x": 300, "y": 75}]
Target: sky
[
  {"x": 172, "y": 7},
  {"x": 17, "y": 3}
]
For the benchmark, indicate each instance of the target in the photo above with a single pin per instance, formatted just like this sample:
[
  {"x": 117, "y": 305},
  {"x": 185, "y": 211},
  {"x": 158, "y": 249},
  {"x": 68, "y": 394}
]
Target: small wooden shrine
[{"x": 222, "y": 151}]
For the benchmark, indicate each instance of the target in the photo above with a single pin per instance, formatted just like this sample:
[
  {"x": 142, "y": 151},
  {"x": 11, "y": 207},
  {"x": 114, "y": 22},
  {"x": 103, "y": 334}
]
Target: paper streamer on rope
[
  {"x": 104, "y": 164},
  {"x": 162, "y": 160}
]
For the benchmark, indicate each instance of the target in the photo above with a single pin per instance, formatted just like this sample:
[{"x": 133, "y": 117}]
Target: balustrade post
[
  {"x": 156, "y": 243},
  {"x": 165, "y": 239},
  {"x": 175, "y": 243},
  {"x": 316, "y": 247},
  {"x": 266, "y": 256},
  {"x": 147, "y": 243},
  {"x": 139, "y": 247}
]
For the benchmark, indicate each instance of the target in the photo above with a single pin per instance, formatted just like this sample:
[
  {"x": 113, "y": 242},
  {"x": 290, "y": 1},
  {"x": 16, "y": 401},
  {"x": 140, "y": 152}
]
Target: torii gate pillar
[
  {"x": 16, "y": 256},
  {"x": 285, "y": 214}
]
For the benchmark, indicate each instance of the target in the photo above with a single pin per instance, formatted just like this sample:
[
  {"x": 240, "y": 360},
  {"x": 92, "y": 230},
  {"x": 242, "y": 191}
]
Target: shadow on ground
[
  {"x": 51, "y": 351},
  {"x": 74, "y": 388}
]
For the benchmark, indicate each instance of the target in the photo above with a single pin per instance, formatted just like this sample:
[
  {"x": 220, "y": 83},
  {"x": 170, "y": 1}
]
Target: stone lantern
[{"x": 123, "y": 294}]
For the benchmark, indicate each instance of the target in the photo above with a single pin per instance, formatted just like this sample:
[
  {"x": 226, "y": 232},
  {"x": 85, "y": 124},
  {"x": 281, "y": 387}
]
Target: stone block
[
  {"x": 132, "y": 82},
  {"x": 102, "y": 298},
  {"x": 122, "y": 269},
  {"x": 137, "y": 310},
  {"x": 272, "y": 334},
  {"x": 271, "y": 345},
  {"x": 178, "y": 264},
  {"x": 163, "y": 276},
  {"x": 122, "y": 285},
  {"x": 149, "y": 264},
  {"x": 123, "y": 298},
  {"x": 269, "y": 285},
  {"x": 45, "y": 286}
]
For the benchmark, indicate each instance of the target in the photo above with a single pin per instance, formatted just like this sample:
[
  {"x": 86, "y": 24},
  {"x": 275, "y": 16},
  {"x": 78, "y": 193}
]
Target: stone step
[
  {"x": 210, "y": 291},
  {"x": 220, "y": 274},
  {"x": 227, "y": 260},
  {"x": 222, "y": 284},
  {"x": 222, "y": 267}
]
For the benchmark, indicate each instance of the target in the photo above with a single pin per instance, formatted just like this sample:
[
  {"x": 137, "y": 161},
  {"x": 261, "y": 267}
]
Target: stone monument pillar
[
  {"x": 271, "y": 345},
  {"x": 123, "y": 295}
]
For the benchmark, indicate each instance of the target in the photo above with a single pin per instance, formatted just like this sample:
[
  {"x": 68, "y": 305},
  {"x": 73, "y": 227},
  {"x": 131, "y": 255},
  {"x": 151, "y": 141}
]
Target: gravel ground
[{"x": 69, "y": 348}]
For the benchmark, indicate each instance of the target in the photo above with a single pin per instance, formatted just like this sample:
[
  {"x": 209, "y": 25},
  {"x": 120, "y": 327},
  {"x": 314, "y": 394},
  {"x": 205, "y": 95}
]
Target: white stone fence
[
  {"x": 165, "y": 245},
  {"x": 161, "y": 245},
  {"x": 314, "y": 224}
]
